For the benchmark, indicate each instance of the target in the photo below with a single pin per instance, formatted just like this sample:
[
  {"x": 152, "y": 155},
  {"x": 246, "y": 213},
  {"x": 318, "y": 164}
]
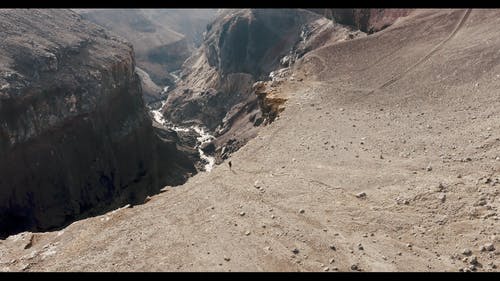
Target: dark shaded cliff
[{"x": 75, "y": 138}]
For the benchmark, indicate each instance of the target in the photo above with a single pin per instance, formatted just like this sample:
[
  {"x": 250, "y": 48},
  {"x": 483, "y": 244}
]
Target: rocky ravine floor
[{"x": 352, "y": 176}]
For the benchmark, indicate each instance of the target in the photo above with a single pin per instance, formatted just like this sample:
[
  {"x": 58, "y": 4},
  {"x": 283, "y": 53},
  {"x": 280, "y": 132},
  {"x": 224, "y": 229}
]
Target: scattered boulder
[
  {"x": 441, "y": 197},
  {"x": 488, "y": 247},
  {"x": 473, "y": 260},
  {"x": 355, "y": 267},
  {"x": 466, "y": 252},
  {"x": 429, "y": 167},
  {"x": 361, "y": 195}
]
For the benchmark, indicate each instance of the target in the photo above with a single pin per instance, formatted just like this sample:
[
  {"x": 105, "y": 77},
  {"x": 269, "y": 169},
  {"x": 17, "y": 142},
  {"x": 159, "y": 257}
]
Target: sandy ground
[{"x": 387, "y": 158}]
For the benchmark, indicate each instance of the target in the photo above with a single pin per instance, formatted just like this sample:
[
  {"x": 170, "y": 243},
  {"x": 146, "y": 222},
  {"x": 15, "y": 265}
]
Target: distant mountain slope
[{"x": 158, "y": 37}]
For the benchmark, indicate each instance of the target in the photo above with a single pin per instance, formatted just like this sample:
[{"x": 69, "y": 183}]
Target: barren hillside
[{"x": 386, "y": 158}]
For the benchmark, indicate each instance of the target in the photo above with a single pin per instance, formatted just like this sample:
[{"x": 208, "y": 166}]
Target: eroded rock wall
[{"x": 75, "y": 138}]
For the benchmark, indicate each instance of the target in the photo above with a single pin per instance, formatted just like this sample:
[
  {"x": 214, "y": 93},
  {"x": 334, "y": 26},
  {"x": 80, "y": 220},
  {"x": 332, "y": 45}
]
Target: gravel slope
[{"x": 397, "y": 178}]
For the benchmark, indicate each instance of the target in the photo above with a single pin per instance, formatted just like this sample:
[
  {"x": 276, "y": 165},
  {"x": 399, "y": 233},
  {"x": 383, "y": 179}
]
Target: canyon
[
  {"x": 292, "y": 140},
  {"x": 76, "y": 137}
]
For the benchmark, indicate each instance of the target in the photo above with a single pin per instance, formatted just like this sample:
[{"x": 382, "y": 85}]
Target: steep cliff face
[
  {"x": 240, "y": 47},
  {"x": 366, "y": 20},
  {"x": 75, "y": 138}
]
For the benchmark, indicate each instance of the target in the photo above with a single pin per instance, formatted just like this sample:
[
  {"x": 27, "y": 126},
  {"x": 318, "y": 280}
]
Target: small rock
[
  {"x": 301, "y": 211},
  {"x": 442, "y": 197},
  {"x": 428, "y": 168},
  {"x": 361, "y": 195},
  {"x": 466, "y": 252},
  {"x": 227, "y": 258},
  {"x": 355, "y": 267},
  {"x": 25, "y": 266},
  {"x": 473, "y": 260},
  {"x": 295, "y": 251},
  {"x": 332, "y": 260},
  {"x": 326, "y": 269},
  {"x": 409, "y": 245},
  {"x": 242, "y": 213},
  {"x": 29, "y": 243},
  {"x": 488, "y": 247},
  {"x": 273, "y": 217},
  {"x": 360, "y": 247},
  {"x": 256, "y": 184},
  {"x": 333, "y": 247},
  {"x": 247, "y": 233}
]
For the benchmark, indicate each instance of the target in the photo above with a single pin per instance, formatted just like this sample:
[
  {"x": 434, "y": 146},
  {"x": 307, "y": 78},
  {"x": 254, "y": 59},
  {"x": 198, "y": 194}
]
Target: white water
[{"x": 203, "y": 138}]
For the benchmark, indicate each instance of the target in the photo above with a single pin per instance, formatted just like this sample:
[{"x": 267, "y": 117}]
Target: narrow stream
[{"x": 204, "y": 136}]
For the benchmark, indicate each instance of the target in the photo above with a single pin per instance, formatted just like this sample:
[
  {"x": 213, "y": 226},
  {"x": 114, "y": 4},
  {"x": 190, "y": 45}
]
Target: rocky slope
[
  {"x": 75, "y": 138},
  {"x": 386, "y": 158}
]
